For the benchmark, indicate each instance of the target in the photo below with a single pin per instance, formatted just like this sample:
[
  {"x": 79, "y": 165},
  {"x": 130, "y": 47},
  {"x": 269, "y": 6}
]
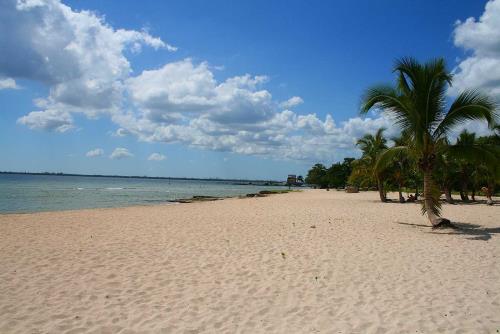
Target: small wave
[
  {"x": 80, "y": 188},
  {"x": 114, "y": 188}
]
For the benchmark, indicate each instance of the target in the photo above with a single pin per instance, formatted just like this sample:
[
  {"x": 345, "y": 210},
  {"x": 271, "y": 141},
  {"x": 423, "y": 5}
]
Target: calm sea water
[{"x": 31, "y": 193}]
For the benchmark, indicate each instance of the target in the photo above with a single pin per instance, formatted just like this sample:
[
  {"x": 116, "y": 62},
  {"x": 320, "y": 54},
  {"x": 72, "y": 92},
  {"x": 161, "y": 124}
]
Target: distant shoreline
[{"x": 237, "y": 181}]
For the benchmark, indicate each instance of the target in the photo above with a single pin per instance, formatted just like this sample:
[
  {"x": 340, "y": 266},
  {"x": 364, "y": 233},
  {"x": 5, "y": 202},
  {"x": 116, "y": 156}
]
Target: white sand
[{"x": 251, "y": 266}]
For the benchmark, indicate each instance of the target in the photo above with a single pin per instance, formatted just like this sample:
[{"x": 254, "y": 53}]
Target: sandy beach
[{"x": 304, "y": 262}]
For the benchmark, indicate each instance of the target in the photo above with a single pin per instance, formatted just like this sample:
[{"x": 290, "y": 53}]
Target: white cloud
[
  {"x": 182, "y": 89},
  {"x": 157, "y": 157},
  {"x": 121, "y": 133},
  {"x": 292, "y": 102},
  {"x": 182, "y": 102},
  {"x": 98, "y": 152},
  {"x": 77, "y": 55},
  {"x": 48, "y": 120},
  {"x": 83, "y": 61},
  {"x": 8, "y": 83},
  {"x": 121, "y": 153},
  {"x": 480, "y": 70}
]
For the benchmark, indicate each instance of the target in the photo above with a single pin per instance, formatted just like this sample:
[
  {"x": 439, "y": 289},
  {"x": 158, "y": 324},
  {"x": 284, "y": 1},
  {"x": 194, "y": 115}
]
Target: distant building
[
  {"x": 294, "y": 180},
  {"x": 291, "y": 179}
]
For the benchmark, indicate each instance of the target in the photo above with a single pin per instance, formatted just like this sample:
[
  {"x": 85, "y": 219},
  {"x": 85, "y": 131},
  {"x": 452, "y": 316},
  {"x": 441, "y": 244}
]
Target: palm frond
[
  {"x": 379, "y": 136},
  {"x": 437, "y": 80},
  {"x": 407, "y": 67},
  {"x": 478, "y": 154},
  {"x": 383, "y": 95},
  {"x": 389, "y": 100},
  {"x": 386, "y": 157},
  {"x": 435, "y": 203},
  {"x": 426, "y": 86},
  {"x": 469, "y": 105}
]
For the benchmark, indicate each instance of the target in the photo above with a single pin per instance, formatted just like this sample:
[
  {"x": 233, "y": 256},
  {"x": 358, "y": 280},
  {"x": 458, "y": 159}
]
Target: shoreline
[
  {"x": 193, "y": 199},
  {"x": 480, "y": 200}
]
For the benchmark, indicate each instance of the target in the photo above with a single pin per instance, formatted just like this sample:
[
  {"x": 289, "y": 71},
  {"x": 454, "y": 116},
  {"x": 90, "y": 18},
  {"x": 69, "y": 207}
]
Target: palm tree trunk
[
  {"x": 473, "y": 194},
  {"x": 464, "y": 192},
  {"x": 401, "y": 198},
  {"x": 489, "y": 193},
  {"x": 428, "y": 200},
  {"x": 447, "y": 193},
  {"x": 380, "y": 186}
]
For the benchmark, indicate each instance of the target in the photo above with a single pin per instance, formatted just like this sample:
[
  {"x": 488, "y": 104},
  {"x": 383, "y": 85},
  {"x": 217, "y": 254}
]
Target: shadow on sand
[
  {"x": 443, "y": 202},
  {"x": 472, "y": 231},
  {"x": 475, "y": 202}
]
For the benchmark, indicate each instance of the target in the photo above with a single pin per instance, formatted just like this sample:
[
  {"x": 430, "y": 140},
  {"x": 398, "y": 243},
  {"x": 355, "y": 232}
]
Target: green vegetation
[
  {"x": 423, "y": 157},
  {"x": 334, "y": 177},
  {"x": 365, "y": 168}
]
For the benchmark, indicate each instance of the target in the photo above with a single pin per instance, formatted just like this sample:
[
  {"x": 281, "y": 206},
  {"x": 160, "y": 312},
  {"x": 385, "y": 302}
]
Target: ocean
[{"x": 21, "y": 193}]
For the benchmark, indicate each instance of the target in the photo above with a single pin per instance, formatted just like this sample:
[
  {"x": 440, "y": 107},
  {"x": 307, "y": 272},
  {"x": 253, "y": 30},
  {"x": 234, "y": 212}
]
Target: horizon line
[{"x": 136, "y": 176}]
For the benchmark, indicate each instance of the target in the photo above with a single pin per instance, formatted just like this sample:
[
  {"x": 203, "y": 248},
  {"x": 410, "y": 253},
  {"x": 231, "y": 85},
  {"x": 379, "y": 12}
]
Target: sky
[{"x": 228, "y": 89}]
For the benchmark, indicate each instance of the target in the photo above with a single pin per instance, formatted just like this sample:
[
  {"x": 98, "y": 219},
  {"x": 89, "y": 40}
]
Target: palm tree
[
  {"x": 485, "y": 170},
  {"x": 361, "y": 174},
  {"x": 401, "y": 164},
  {"x": 317, "y": 176},
  {"x": 447, "y": 172},
  {"x": 466, "y": 166},
  {"x": 418, "y": 104},
  {"x": 372, "y": 146}
]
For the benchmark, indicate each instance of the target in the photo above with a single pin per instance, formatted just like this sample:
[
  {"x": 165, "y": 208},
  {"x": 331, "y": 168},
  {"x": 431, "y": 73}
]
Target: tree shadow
[
  {"x": 471, "y": 231},
  {"x": 418, "y": 225},
  {"x": 443, "y": 202},
  {"x": 470, "y": 202}
]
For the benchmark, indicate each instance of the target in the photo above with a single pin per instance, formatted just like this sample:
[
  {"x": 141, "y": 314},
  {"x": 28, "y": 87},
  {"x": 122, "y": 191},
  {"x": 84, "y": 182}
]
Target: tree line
[{"x": 334, "y": 177}]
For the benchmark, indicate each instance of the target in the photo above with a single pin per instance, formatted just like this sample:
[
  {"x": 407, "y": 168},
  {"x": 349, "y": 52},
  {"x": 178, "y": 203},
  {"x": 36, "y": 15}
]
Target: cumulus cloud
[
  {"x": 121, "y": 153},
  {"x": 76, "y": 54},
  {"x": 182, "y": 102},
  {"x": 292, "y": 102},
  {"x": 183, "y": 89},
  {"x": 157, "y": 157},
  {"x": 480, "y": 37},
  {"x": 98, "y": 152},
  {"x": 8, "y": 83},
  {"x": 83, "y": 61},
  {"x": 48, "y": 120}
]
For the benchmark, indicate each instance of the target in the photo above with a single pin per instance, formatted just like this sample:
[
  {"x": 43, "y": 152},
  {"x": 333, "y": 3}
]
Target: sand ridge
[{"x": 308, "y": 262}]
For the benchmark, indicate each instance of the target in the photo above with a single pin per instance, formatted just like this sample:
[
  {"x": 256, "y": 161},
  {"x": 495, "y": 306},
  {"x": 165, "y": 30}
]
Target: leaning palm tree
[
  {"x": 418, "y": 105},
  {"x": 372, "y": 146}
]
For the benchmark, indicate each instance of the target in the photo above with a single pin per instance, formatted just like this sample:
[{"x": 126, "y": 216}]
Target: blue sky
[{"x": 254, "y": 89}]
